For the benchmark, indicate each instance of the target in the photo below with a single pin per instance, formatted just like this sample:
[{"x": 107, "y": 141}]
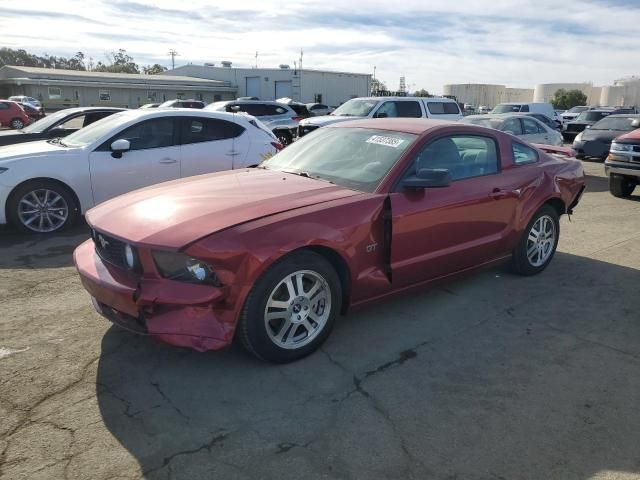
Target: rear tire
[
  {"x": 42, "y": 206},
  {"x": 538, "y": 243},
  {"x": 291, "y": 308},
  {"x": 621, "y": 186},
  {"x": 284, "y": 137},
  {"x": 16, "y": 124}
]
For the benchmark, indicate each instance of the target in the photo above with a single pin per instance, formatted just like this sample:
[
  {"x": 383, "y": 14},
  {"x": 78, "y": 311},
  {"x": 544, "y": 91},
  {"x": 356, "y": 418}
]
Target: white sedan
[{"x": 46, "y": 185}]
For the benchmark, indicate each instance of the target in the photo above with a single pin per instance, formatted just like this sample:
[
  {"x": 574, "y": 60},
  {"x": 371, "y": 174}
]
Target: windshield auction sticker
[{"x": 387, "y": 141}]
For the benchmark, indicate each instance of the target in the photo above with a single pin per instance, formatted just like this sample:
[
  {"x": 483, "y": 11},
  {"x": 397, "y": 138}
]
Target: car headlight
[
  {"x": 578, "y": 137},
  {"x": 180, "y": 267},
  {"x": 621, "y": 147},
  {"x": 130, "y": 257}
]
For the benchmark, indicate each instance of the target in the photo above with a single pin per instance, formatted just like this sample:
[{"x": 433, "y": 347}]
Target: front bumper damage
[{"x": 179, "y": 314}]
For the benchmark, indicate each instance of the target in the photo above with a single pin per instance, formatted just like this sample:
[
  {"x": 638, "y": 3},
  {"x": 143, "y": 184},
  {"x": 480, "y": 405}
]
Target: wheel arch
[{"x": 11, "y": 195}]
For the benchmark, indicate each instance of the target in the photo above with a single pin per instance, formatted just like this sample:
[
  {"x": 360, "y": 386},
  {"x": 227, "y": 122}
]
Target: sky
[{"x": 430, "y": 42}]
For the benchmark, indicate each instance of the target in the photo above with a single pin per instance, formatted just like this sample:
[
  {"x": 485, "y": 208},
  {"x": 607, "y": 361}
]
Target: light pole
[{"x": 173, "y": 54}]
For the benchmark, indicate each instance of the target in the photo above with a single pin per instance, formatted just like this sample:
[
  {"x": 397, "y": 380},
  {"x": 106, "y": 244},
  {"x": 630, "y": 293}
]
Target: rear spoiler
[{"x": 564, "y": 151}]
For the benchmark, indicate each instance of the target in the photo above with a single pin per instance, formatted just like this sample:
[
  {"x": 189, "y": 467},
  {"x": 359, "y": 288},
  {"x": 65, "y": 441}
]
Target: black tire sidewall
[
  {"x": 520, "y": 263},
  {"x": 621, "y": 186},
  {"x": 20, "y": 191},
  {"x": 251, "y": 327}
]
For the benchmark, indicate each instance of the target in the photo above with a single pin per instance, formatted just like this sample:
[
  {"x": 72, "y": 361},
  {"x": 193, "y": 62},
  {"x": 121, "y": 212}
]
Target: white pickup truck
[{"x": 385, "y": 107}]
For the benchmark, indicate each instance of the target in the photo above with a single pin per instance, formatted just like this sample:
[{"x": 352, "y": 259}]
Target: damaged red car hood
[{"x": 174, "y": 214}]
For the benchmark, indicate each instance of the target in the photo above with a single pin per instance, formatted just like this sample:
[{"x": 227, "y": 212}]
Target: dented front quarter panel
[{"x": 350, "y": 227}]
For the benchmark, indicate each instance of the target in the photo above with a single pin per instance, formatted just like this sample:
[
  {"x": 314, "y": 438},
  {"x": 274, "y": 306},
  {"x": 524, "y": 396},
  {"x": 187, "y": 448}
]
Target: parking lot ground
[{"x": 490, "y": 377}]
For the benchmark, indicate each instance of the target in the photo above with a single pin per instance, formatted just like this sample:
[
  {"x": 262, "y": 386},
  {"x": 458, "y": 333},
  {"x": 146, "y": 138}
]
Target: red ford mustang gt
[{"x": 352, "y": 213}]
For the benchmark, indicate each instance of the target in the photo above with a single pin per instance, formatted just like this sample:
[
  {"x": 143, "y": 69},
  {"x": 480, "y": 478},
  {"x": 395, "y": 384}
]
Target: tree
[
  {"x": 22, "y": 58},
  {"x": 566, "y": 99},
  {"x": 421, "y": 93},
  {"x": 118, "y": 62},
  {"x": 377, "y": 86},
  {"x": 154, "y": 69}
]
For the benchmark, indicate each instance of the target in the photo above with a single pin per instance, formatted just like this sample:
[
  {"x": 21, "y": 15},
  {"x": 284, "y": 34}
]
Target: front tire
[
  {"x": 41, "y": 206},
  {"x": 538, "y": 243},
  {"x": 16, "y": 124},
  {"x": 621, "y": 186},
  {"x": 291, "y": 308}
]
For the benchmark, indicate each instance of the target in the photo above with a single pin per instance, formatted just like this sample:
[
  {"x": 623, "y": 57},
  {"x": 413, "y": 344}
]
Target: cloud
[{"x": 514, "y": 42}]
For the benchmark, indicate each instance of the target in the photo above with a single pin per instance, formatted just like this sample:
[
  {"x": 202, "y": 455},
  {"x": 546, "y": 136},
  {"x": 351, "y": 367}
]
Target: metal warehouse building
[
  {"x": 330, "y": 88},
  {"x": 58, "y": 89}
]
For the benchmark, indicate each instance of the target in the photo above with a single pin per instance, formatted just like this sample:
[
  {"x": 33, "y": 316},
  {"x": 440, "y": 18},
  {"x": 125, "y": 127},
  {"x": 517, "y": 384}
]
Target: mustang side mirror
[
  {"x": 119, "y": 147},
  {"x": 635, "y": 123},
  {"x": 428, "y": 178}
]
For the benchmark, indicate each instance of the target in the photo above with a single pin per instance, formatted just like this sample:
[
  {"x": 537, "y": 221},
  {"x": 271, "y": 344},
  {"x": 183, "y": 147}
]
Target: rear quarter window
[
  {"x": 443, "y": 108},
  {"x": 523, "y": 155}
]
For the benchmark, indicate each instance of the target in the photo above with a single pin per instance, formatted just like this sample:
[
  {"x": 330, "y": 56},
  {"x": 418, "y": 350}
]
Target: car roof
[
  {"x": 624, "y": 115},
  {"x": 439, "y": 99},
  {"x": 92, "y": 109},
  {"x": 183, "y": 112},
  {"x": 405, "y": 125}
]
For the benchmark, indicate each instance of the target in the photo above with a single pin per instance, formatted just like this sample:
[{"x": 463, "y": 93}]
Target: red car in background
[
  {"x": 353, "y": 213},
  {"x": 12, "y": 115},
  {"x": 622, "y": 166},
  {"x": 34, "y": 113}
]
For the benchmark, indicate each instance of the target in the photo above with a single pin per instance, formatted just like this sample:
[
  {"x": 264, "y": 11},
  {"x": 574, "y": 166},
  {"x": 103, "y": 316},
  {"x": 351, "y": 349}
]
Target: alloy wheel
[
  {"x": 541, "y": 241},
  {"x": 43, "y": 210},
  {"x": 297, "y": 309}
]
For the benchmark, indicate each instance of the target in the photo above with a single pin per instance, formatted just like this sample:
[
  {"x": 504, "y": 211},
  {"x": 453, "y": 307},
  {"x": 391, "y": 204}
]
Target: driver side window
[
  {"x": 464, "y": 156},
  {"x": 387, "y": 109},
  {"x": 155, "y": 133}
]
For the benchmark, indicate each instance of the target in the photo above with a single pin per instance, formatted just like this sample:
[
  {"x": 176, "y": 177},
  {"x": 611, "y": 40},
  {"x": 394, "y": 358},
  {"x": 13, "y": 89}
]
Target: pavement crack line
[
  {"x": 166, "y": 461},
  {"x": 156, "y": 385}
]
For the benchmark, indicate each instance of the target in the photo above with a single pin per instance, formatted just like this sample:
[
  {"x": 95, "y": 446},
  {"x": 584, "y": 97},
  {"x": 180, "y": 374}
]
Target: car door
[
  {"x": 154, "y": 157},
  {"x": 530, "y": 131},
  {"x": 210, "y": 145},
  {"x": 439, "y": 231},
  {"x": 513, "y": 126}
]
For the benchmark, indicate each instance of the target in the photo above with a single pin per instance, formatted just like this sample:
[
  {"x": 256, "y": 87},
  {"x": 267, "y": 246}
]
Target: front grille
[
  {"x": 636, "y": 148},
  {"x": 110, "y": 249},
  {"x": 304, "y": 129}
]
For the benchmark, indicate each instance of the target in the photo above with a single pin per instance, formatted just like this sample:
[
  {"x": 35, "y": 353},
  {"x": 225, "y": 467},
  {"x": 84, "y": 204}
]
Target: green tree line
[{"x": 115, "y": 62}]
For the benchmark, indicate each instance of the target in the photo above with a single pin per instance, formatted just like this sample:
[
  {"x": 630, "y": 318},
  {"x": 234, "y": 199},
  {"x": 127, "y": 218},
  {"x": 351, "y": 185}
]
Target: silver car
[
  {"x": 281, "y": 119},
  {"x": 317, "y": 109},
  {"x": 525, "y": 127}
]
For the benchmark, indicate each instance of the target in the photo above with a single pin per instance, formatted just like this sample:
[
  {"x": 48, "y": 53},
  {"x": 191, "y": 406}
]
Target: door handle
[
  {"x": 167, "y": 161},
  {"x": 233, "y": 153},
  {"x": 497, "y": 194}
]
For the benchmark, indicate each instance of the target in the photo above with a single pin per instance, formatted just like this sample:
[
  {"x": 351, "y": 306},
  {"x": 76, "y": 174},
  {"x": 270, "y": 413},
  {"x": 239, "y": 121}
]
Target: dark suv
[{"x": 584, "y": 120}]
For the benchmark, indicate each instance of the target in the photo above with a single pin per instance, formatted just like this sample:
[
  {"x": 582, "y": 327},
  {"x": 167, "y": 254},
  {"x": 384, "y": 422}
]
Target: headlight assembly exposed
[
  {"x": 180, "y": 267},
  {"x": 621, "y": 147}
]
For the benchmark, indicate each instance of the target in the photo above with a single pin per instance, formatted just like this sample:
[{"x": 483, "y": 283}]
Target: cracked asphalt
[{"x": 490, "y": 377}]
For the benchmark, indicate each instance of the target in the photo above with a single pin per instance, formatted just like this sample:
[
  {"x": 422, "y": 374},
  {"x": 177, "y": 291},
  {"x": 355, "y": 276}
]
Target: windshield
[
  {"x": 48, "y": 121},
  {"x": 591, "y": 116},
  {"x": 88, "y": 135},
  {"x": 355, "y": 158},
  {"x": 355, "y": 107},
  {"x": 579, "y": 109},
  {"x": 615, "y": 123},
  {"x": 506, "y": 108},
  {"x": 495, "y": 123}
]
